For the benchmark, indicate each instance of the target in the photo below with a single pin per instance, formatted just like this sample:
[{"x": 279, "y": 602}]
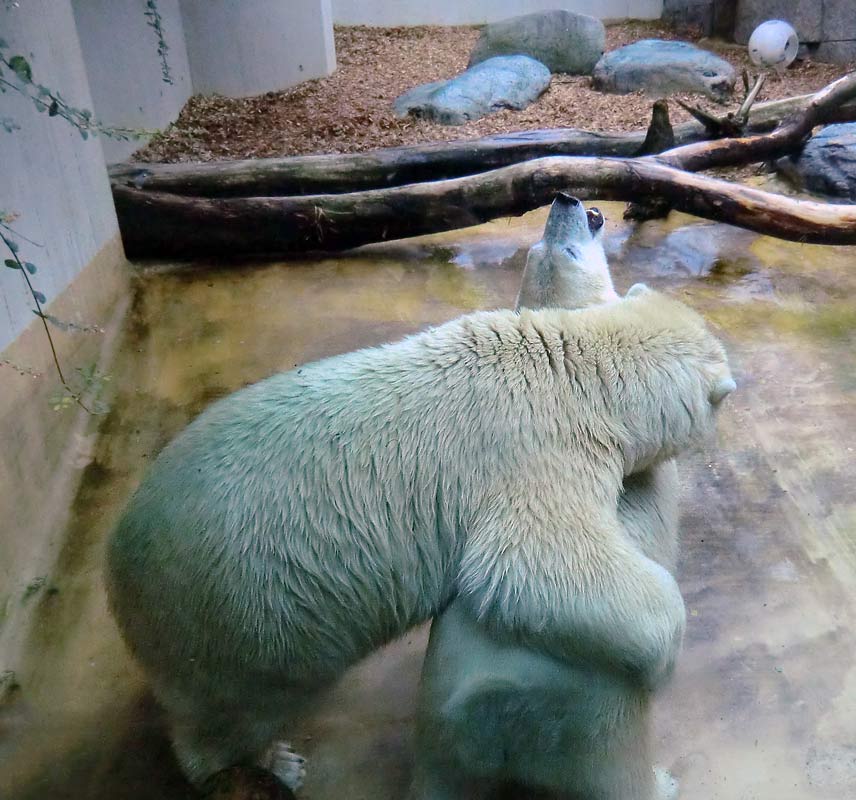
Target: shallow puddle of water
[{"x": 764, "y": 699}]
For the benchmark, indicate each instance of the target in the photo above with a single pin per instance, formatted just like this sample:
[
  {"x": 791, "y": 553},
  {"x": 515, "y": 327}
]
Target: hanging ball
[{"x": 773, "y": 44}]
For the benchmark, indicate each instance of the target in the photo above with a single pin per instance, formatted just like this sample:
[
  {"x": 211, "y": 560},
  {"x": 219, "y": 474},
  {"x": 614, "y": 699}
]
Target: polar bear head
[
  {"x": 567, "y": 268},
  {"x": 671, "y": 377}
]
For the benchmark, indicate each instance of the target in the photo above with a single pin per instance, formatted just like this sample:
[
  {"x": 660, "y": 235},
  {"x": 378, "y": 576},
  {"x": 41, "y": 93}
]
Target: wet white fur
[
  {"x": 302, "y": 522},
  {"x": 491, "y": 711}
]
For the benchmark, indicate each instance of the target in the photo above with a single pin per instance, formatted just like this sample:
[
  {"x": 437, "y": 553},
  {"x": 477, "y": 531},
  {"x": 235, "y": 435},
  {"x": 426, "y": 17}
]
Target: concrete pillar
[
  {"x": 475, "y": 12},
  {"x": 121, "y": 54},
  {"x": 243, "y": 47},
  {"x": 54, "y": 180}
]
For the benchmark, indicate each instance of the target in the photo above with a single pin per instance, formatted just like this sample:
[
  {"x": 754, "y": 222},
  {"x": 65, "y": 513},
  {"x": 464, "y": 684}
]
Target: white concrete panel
[
  {"x": 242, "y": 47},
  {"x": 473, "y": 12},
  {"x": 49, "y": 175},
  {"x": 124, "y": 68}
]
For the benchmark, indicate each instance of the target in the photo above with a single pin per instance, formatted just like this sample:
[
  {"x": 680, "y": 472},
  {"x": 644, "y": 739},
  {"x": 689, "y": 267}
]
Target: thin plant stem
[{"x": 40, "y": 314}]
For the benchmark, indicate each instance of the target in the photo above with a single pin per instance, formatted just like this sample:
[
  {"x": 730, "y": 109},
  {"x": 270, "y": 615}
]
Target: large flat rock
[
  {"x": 500, "y": 82},
  {"x": 562, "y": 40},
  {"x": 661, "y": 67},
  {"x": 827, "y": 164}
]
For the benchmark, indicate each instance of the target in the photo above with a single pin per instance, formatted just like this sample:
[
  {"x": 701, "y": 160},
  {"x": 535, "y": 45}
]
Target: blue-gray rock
[
  {"x": 827, "y": 164},
  {"x": 562, "y": 40},
  {"x": 661, "y": 68},
  {"x": 501, "y": 82}
]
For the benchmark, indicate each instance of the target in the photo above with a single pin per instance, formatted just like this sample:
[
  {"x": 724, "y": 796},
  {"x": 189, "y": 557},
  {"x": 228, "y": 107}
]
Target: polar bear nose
[{"x": 721, "y": 389}]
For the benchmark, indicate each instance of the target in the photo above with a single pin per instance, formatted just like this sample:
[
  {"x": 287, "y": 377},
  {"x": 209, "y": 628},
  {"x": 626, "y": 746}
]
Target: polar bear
[
  {"x": 492, "y": 711},
  {"x": 304, "y": 521}
]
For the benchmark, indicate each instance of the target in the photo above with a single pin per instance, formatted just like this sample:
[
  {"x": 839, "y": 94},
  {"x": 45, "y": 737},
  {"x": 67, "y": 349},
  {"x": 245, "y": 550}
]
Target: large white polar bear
[
  {"x": 302, "y": 522},
  {"x": 492, "y": 711}
]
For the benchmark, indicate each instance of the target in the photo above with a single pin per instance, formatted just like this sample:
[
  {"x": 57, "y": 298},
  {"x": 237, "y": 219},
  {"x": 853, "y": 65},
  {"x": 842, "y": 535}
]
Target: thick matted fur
[
  {"x": 491, "y": 710},
  {"x": 300, "y": 523}
]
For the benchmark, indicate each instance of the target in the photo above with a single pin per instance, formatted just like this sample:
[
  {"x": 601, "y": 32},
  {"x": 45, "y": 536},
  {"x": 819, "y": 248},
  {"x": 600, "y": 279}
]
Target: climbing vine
[
  {"x": 155, "y": 22},
  {"x": 16, "y": 75},
  {"x": 90, "y": 381}
]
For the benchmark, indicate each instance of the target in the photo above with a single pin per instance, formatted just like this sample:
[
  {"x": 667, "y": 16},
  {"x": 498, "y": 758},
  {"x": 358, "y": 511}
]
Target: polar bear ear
[
  {"x": 721, "y": 389},
  {"x": 637, "y": 289}
]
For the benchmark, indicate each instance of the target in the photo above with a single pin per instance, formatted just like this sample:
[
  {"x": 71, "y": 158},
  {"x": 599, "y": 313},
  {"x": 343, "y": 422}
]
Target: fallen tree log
[
  {"x": 156, "y": 224},
  {"x": 332, "y": 174}
]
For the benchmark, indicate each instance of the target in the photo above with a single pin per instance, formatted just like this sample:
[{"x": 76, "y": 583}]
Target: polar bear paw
[
  {"x": 288, "y": 766},
  {"x": 668, "y": 787}
]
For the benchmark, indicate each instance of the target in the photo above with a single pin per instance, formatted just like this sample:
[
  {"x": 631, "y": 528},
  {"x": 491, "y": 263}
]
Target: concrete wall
[
  {"x": 58, "y": 185},
  {"x": 240, "y": 47},
  {"x": 56, "y": 181},
  {"x": 120, "y": 51},
  {"x": 471, "y": 12},
  {"x": 827, "y": 28},
  {"x": 711, "y": 17}
]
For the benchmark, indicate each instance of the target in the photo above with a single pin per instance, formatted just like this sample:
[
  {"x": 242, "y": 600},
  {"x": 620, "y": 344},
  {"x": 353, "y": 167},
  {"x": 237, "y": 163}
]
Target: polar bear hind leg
[{"x": 209, "y": 735}]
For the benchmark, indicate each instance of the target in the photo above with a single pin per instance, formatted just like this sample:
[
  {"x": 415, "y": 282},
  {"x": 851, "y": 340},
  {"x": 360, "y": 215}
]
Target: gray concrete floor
[{"x": 763, "y": 705}]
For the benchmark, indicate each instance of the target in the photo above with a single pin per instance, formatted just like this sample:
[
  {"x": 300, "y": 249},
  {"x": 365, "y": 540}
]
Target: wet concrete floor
[{"x": 763, "y": 705}]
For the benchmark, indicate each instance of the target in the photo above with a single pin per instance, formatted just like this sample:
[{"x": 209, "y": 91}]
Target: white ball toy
[{"x": 773, "y": 44}]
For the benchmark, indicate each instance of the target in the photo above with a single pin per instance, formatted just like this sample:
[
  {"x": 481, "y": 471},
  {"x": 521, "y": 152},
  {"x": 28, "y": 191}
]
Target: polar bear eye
[{"x": 595, "y": 219}]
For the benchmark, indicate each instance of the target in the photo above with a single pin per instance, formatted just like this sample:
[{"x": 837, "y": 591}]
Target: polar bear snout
[
  {"x": 565, "y": 199},
  {"x": 567, "y": 223}
]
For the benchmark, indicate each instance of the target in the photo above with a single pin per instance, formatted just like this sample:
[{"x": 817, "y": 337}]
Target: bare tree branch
[
  {"x": 167, "y": 225},
  {"x": 823, "y": 108},
  {"x": 333, "y": 173}
]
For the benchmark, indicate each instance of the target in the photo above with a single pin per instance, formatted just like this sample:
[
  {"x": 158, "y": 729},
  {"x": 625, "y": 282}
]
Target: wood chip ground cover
[{"x": 351, "y": 110}]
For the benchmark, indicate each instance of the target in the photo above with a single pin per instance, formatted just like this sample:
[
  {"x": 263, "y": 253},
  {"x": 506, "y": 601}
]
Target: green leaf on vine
[
  {"x": 22, "y": 68},
  {"x": 12, "y": 264}
]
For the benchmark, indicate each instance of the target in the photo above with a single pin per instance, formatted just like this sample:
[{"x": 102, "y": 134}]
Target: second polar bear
[
  {"x": 302, "y": 522},
  {"x": 492, "y": 711}
]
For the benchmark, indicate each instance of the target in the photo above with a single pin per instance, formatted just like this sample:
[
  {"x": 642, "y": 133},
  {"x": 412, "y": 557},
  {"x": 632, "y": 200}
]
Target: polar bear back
[{"x": 313, "y": 516}]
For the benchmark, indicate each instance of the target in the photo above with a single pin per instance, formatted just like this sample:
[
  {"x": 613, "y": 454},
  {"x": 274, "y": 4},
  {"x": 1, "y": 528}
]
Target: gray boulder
[
  {"x": 502, "y": 82},
  {"x": 564, "y": 41},
  {"x": 661, "y": 68},
  {"x": 827, "y": 164}
]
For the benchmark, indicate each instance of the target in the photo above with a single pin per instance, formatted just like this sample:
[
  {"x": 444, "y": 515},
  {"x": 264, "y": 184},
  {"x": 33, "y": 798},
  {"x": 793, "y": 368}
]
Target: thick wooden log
[
  {"x": 332, "y": 174},
  {"x": 168, "y": 225},
  {"x": 245, "y": 783}
]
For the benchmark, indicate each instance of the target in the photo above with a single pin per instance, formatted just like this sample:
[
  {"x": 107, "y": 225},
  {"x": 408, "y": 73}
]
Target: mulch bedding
[{"x": 351, "y": 110}]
